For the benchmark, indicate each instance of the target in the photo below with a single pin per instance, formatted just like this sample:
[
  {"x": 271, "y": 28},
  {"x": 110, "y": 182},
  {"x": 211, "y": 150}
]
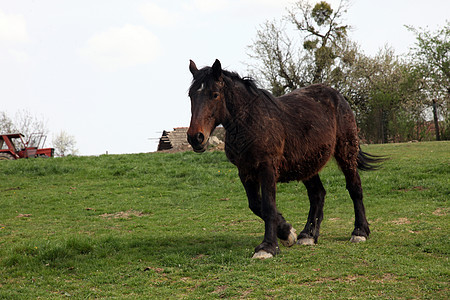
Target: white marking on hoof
[
  {"x": 306, "y": 241},
  {"x": 261, "y": 254},
  {"x": 292, "y": 238},
  {"x": 357, "y": 239}
]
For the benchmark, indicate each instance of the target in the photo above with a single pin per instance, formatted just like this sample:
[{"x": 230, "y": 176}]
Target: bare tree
[
  {"x": 277, "y": 63},
  {"x": 30, "y": 125},
  {"x": 64, "y": 144},
  {"x": 6, "y": 124}
]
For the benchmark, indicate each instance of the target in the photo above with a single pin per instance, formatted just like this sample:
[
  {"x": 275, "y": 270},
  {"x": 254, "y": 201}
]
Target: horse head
[{"x": 207, "y": 104}]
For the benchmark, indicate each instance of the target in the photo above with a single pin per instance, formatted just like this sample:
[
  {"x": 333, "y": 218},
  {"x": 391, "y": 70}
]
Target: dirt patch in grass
[
  {"x": 386, "y": 278},
  {"x": 414, "y": 188},
  {"x": 11, "y": 189},
  {"x": 441, "y": 211},
  {"x": 23, "y": 215},
  {"x": 401, "y": 221},
  {"x": 124, "y": 214},
  {"x": 220, "y": 290},
  {"x": 157, "y": 270},
  {"x": 353, "y": 278}
]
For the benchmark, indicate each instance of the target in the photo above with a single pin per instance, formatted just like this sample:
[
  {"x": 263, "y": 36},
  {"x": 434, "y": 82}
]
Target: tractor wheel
[{"x": 6, "y": 156}]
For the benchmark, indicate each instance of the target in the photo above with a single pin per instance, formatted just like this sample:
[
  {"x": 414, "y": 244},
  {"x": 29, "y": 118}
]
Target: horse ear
[
  {"x": 192, "y": 67},
  {"x": 217, "y": 69}
]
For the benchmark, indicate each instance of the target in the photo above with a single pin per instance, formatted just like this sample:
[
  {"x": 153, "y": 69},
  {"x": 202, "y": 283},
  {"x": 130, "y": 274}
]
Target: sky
[{"x": 114, "y": 74}]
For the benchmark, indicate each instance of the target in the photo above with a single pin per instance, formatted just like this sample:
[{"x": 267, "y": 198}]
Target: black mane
[{"x": 205, "y": 76}]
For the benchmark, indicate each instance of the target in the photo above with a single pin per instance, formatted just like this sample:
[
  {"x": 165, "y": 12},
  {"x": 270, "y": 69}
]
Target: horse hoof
[
  {"x": 306, "y": 241},
  {"x": 261, "y": 254},
  {"x": 357, "y": 239},
  {"x": 291, "y": 239}
]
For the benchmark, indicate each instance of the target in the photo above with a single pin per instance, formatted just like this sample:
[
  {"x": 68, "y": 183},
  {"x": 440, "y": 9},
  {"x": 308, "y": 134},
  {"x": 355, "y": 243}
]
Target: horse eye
[{"x": 215, "y": 95}]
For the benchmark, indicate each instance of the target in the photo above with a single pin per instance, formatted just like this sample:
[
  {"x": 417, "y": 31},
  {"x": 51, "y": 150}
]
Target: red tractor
[{"x": 12, "y": 147}]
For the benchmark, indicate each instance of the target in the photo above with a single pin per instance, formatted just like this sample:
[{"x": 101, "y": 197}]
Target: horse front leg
[
  {"x": 269, "y": 247},
  {"x": 285, "y": 232}
]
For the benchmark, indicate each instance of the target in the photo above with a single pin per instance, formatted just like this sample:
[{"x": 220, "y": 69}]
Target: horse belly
[{"x": 305, "y": 165}]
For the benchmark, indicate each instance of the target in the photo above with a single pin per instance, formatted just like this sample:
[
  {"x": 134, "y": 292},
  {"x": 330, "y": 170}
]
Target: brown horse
[{"x": 272, "y": 140}]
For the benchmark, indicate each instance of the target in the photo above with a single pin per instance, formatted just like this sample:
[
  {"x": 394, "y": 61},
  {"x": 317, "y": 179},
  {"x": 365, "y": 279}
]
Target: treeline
[
  {"x": 395, "y": 99},
  {"x": 33, "y": 128}
]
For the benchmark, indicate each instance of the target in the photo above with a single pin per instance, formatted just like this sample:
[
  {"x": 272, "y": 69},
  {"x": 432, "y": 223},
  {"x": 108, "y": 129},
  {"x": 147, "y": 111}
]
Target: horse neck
[{"x": 240, "y": 103}]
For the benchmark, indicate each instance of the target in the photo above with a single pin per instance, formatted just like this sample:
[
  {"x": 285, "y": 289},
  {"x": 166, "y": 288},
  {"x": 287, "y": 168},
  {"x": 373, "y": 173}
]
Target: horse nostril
[
  {"x": 196, "y": 140},
  {"x": 200, "y": 138}
]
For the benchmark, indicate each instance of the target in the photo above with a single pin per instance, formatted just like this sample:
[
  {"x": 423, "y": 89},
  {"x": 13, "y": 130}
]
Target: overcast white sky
[{"x": 115, "y": 73}]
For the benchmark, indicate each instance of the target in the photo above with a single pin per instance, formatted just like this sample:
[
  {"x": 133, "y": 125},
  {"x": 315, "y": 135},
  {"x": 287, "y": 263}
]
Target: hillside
[{"x": 177, "y": 225}]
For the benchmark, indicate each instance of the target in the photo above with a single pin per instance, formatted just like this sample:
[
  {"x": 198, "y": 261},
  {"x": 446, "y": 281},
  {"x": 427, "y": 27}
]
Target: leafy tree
[
  {"x": 283, "y": 66},
  {"x": 324, "y": 33},
  {"x": 385, "y": 95},
  {"x": 431, "y": 54},
  {"x": 388, "y": 94}
]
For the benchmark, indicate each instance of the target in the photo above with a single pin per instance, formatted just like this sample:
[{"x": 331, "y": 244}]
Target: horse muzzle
[{"x": 198, "y": 142}]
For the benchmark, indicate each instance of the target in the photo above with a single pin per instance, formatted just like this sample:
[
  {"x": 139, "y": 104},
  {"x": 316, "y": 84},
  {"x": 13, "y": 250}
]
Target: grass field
[{"x": 173, "y": 226}]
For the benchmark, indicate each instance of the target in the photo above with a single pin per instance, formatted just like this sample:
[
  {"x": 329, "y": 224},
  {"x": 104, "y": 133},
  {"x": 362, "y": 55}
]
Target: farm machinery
[{"x": 12, "y": 146}]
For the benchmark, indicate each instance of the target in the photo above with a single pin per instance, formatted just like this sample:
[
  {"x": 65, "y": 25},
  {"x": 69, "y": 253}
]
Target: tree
[
  {"x": 6, "y": 124},
  {"x": 324, "y": 33},
  {"x": 277, "y": 64},
  {"x": 388, "y": 94},
  {"x": 431, "y": 54},
  {"x": 24, "y": 122},
  {"x": 64, "y": 144},
  {"x": 284, "y": 66},
  {"x": 385, "y": 95}
]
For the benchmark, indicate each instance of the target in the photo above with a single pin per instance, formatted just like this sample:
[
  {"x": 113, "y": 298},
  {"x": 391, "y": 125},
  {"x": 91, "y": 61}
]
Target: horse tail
[{"x": 369, "y": 162}]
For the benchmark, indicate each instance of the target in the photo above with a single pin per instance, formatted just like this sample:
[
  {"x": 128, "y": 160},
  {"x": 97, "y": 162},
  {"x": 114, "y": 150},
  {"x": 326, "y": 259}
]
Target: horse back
[{"x": 313, "y": 125}]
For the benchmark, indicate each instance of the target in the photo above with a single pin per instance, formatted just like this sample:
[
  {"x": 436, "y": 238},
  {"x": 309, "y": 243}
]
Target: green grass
[{"x": 174, "y": 226}]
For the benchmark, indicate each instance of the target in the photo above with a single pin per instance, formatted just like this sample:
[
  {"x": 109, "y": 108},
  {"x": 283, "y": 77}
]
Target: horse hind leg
[
  {"x": 353, "y": 183},
  {"x": 361, "y": 231},
  {"x": 316, "y": 194},
  {"x": 346, "y": 155}
]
